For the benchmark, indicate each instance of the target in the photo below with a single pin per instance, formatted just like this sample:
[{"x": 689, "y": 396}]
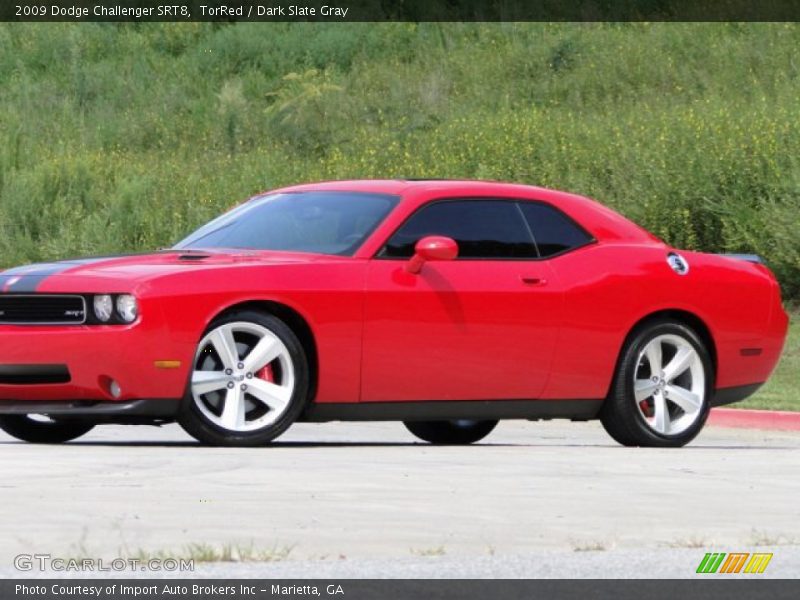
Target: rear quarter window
[{"x": 553, "y": 231}]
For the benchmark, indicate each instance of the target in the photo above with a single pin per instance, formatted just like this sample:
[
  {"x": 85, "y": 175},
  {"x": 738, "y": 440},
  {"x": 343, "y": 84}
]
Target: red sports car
[{"x": 445, "y": 304}]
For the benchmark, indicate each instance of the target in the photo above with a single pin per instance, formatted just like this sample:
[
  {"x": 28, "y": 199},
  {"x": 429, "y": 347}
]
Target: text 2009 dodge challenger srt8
[{"x": 445, "y": 304}]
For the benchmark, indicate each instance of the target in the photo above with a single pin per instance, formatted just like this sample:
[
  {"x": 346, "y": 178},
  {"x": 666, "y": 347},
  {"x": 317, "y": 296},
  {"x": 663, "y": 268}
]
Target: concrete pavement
[{"x": 333, "y": 493}]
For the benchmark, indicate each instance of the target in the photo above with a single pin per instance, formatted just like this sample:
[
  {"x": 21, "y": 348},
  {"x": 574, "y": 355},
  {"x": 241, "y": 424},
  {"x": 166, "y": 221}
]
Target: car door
[{"x": 480, "y": 327}]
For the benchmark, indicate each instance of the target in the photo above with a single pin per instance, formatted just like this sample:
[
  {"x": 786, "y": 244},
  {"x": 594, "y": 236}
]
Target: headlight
[
  {"x": 103, "y": 308},
  {"x": 127, "y": 308}
]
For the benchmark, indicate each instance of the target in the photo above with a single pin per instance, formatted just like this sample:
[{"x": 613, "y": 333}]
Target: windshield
[{"x": 319, "y": 222}]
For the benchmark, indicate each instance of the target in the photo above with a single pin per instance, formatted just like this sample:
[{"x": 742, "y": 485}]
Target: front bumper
[
  {"x": 78, "y": 363},
  {"x": 164, "y": 409}
]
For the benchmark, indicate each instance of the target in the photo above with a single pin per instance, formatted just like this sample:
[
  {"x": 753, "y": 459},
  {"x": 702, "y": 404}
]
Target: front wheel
[
  {"x": 249, "y": 382},
  {"x": 39, "y": 429},
  {"x": 451, "y": 432},
  {"x": 661, "y": 390}
]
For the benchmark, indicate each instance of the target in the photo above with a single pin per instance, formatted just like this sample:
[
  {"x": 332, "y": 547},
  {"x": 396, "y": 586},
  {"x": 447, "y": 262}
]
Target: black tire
[
  {"x": 196, "y": 424},
  {"x": 24, "y": 428},
  {"x": 450, "y": 432},
  {"x": 621, "y": 417}
]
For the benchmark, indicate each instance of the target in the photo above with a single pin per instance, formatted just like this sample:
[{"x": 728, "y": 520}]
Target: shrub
[{"x": 125, "y": 137}]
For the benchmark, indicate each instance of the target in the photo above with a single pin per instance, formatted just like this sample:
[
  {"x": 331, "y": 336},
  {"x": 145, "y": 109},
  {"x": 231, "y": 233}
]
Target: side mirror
[{"x": 432, "y": 247}]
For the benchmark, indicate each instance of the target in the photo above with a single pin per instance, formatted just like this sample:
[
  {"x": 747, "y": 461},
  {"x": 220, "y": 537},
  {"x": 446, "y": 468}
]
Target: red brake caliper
[{"x": 266, "y": 373}]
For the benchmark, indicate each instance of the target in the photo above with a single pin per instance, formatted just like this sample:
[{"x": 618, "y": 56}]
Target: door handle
[{"x": 530, "y": 280}]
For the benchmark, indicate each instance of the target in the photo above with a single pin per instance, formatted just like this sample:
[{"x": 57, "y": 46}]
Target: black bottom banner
[{"x": 397, "y": 589}]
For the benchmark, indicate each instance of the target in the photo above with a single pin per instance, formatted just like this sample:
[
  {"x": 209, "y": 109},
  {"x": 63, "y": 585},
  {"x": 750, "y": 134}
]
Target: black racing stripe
[
  {"x": 24, "y": 269},
  {"x": 31, "y": 276},
  {"x": 29, "y": 281},
  {"x": 90, "y": 259},
  {"x": 87, "y": 260}
]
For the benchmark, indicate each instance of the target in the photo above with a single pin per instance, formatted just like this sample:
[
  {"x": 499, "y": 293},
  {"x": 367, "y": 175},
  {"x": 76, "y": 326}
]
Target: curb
[{"x": 754, "y": 419}]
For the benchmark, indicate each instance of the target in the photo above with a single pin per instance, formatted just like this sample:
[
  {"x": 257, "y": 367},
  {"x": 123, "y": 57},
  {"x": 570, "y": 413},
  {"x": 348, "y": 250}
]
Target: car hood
[{"x": 124, "y": 272}]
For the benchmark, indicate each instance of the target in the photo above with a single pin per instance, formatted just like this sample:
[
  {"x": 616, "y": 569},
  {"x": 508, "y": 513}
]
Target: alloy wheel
[
  {"x": 669, "y": 384},
  {"x": 243, "y": 377}
]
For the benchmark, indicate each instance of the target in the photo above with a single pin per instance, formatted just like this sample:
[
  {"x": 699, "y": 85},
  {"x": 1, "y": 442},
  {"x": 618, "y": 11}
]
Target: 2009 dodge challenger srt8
[{"x": 445, "y": 304}]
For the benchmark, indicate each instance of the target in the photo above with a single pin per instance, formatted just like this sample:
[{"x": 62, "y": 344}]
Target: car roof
[
  {"x": 399, "y": 186},
  {"x": 601, "y": 221}
]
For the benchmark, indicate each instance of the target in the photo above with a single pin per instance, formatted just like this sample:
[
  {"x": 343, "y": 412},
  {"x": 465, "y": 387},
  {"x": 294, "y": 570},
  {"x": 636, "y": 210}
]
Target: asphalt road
[{"x": 342, "y": 500}]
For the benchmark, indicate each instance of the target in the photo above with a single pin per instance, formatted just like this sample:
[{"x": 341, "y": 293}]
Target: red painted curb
[{"x": 755, "y": 419}]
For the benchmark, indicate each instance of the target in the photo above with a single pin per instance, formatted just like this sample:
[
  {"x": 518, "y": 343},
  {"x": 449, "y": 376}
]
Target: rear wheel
[
  {"x": 451, "y": 432},
  {"x": 249, "y": 382},
  {"x": 39, "y": 429},
  {"x": 661, "y": 390}
]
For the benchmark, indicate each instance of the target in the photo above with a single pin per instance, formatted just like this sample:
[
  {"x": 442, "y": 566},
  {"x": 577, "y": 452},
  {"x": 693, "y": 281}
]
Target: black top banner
[{"x": 399, "y": 10}]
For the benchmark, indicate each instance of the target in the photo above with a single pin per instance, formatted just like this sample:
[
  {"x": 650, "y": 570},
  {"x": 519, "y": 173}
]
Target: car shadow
[
  {"x": 335, "y": 444},
  {"x": 274, "y": 445}
]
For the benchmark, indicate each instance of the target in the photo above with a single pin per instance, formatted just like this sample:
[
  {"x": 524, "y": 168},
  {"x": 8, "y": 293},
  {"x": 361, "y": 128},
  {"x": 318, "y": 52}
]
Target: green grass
[
  {"x": 782, "y": 391},
  {"x": 122, "y": 137},
  {"x": 200, "y": 552},
  {"x": 125, "y": 137}
]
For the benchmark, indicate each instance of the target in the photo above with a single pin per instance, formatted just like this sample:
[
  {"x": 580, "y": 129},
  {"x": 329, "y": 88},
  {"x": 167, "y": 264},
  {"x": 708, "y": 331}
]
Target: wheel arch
[
  {"x": 296, "y": 322},
  {"x": 688, "y": 318}
]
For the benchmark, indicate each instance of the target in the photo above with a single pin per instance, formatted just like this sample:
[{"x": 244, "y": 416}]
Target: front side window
[
  {"x": 319, "y": 222},
  {"x": 488, "y": 229}
]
